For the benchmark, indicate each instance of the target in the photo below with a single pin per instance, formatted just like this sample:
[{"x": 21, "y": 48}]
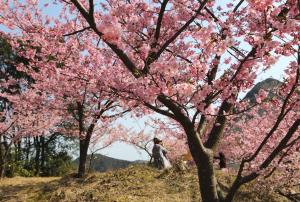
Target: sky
[{"x": 127, "y": 152}]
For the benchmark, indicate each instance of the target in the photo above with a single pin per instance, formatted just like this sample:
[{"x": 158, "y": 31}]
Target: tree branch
[
  {"x": 120, "y": 53},
  {"x": 238, "y": 5},
  {"x": 81, "y": 9},
  {"x": 11, "y": 124},
  {"x": 159, "y": 22},
  {"x": 282, "y": 114},
  {"x": 179, "y": 56},
  {"x": 78, "y": 31},
  {"x": 91, "y": 9},
  {"x": 282, "y": 144},
  {"x": 217, "y": 130},
  {"x": 160, "y": 111},
  {"x": 156, "y": 55}
]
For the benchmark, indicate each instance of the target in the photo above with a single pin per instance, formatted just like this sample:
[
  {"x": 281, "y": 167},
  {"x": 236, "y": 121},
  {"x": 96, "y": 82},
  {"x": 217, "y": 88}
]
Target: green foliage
[
  {"x": 56, "y": 160},
  {"x": 16, "y": 168},
  {"x": 21, "y": 171},
  {"x": 59, "y": 165}
]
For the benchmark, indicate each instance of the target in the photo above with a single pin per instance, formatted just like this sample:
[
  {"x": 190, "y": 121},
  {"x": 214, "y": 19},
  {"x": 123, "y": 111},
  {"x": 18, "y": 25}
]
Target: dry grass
[
  {"x": 22, "y": 189},
  {"x": 135, "y": 184}
]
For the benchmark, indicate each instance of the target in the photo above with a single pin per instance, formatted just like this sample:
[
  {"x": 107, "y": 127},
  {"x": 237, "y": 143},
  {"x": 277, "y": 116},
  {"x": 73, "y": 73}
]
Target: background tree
[
  {"x": 68, "y": 86},
  {"x": 10, "y": 83}
]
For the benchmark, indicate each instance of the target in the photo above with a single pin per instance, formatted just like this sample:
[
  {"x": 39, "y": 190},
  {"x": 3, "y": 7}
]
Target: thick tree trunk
[
  {"x": 207, "y": 181},
  {"x": 204, "y": 160},
  {"x": 84, "y": 145}
]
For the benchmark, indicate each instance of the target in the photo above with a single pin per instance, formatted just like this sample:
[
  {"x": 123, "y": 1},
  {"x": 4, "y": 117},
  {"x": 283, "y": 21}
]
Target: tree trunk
[
  {"x": 2, "y": 169},
  {"x": 37, "y": 156},
  {"x": 43, "y": 145},
  {"x": 16, "y": 156},
  {"x": 234, "y": 188},
  {"x": 201, "y": 153},
  {"x": 91, "y": 161},
  {"x": 27, "y": 151},
  {"x": 4, "y": 152},
  {"x": 2, "y": 161},
  {"x": 1, "y": 157},
  {"x": 206, "y": 175},
  {"x": 207, "y": 181},
  {"x": 83, "y": 146}
]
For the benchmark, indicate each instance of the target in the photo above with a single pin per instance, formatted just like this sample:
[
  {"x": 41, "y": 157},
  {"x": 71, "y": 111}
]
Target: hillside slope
[{"x": 138, "y": 183}]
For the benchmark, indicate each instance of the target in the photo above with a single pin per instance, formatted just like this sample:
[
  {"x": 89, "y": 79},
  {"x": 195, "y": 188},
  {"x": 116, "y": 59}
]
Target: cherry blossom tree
[
  {"x": 13, "y": 120},
  {"x": 172, "y": 138},
  {"x": 263, "y": 159},
  {"x": 186, "y": 60},
  {"x": 86, "y": 110},
  {"x": 67, "y": 85},
  {"x": 108, "y": 136},
  {"x": 21, "y": 121}
]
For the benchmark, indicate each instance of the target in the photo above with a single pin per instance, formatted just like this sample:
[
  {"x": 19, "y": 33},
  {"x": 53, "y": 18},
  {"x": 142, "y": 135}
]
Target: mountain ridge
[
  {"x": 268, "y": 84},
  {"x": 103, "y": 163}
]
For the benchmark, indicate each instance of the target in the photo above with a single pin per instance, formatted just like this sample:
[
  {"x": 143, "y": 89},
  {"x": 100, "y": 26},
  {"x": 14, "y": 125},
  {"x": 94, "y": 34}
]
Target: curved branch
[{"x": 160, "y": 111}]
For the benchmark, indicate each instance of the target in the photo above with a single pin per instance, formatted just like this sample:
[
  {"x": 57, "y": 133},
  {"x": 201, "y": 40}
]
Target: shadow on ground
[{"x": 137, "y": 183}]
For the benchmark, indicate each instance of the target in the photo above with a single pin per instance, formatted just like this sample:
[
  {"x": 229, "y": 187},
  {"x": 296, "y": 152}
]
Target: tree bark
[
  {"x": 43, "y": 157},
  {"x": 2, "y": 161},
  {"x": 37, "y": 155},
  {"x": 1, "y": 157},
  {"x": 83, "y": 146},
  {"x": 234, "y": 188},
  {"x": 4, "y": 152},
  {"x": 90, "y": 162},
  {"x": 27, "y": 151},
  {"x": 206, "y": 176},
  {"x": 2, "y": 169},
  {"x": 203, "y": 158},
  {"x": 207, "y": 180}
]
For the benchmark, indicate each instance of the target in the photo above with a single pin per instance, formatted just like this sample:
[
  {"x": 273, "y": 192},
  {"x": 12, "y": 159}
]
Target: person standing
[{"x": 159, "y": 155}]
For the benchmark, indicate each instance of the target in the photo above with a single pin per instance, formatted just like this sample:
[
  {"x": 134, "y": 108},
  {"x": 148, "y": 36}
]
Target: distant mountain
[
  {"x": 269, "y": 85},
  {"x": 104, "y": 163}
]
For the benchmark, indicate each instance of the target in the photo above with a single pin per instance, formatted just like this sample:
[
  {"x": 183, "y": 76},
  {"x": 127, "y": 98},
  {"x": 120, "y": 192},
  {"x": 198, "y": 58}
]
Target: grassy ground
[
  {"x": 23, "y": 189},
  {"x": 134, "y": 184}
]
